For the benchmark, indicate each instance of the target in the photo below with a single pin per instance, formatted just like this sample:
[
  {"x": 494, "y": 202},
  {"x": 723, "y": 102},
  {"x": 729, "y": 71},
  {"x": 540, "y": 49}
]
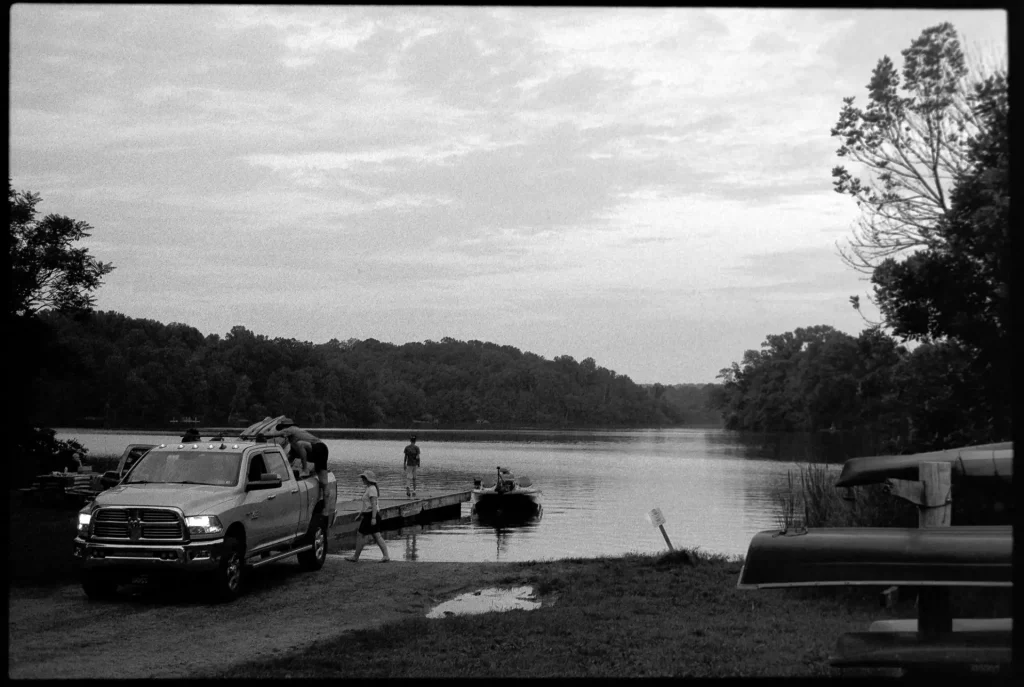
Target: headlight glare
[
  {"x": 83, "y": 522},
  {"x": 203, "y": 524}
]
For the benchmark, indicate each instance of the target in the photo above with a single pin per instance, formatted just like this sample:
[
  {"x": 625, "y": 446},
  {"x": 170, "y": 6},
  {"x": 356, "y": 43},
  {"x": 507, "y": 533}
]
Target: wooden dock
[{"x": 395, "y": 512}]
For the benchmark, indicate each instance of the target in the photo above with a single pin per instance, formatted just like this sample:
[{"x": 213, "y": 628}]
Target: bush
[
  {"x": 38, "y": 451},
  {"x": 812, "y": 492}
]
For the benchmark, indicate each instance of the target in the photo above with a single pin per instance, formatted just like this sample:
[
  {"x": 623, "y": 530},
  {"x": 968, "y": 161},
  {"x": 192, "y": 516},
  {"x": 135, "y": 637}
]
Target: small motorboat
[{"x": 506, "y": 494}]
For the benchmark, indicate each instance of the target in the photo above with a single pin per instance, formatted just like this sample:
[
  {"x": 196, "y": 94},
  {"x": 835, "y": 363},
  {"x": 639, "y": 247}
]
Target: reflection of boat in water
[{"x": 505, "y": 496}]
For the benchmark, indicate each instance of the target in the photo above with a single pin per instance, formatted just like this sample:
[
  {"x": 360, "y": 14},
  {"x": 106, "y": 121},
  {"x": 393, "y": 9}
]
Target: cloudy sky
[{"x": 647, "y": 187}]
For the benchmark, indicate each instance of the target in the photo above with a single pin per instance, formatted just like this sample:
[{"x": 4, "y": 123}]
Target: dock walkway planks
[{"x": 395, "y": 511}]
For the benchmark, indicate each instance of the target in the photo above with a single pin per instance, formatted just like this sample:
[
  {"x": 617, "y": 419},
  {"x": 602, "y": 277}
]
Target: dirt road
[{"x": 173, "y": 632}]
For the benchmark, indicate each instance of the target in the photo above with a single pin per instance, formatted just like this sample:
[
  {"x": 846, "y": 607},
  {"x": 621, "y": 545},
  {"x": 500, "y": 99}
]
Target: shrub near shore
[{"x": 810, "y": 490}]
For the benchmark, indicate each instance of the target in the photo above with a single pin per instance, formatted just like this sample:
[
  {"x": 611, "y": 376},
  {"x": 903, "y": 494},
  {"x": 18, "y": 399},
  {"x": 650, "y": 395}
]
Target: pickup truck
[{"x": 216, "y": 509}]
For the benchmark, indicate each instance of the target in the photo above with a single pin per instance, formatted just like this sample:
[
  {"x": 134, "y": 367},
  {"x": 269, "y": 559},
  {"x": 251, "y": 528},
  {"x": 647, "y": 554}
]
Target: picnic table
[{"x": 55, "y": 487}]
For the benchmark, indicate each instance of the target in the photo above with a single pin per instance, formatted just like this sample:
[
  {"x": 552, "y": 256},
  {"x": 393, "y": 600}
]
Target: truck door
[
  {"x": 290, "y": 502},
  {"x": 262, "y": 515}
]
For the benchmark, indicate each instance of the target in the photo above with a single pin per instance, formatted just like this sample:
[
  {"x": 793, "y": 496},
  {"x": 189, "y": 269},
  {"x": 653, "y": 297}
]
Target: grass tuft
[{"x": 681, "y": 557}]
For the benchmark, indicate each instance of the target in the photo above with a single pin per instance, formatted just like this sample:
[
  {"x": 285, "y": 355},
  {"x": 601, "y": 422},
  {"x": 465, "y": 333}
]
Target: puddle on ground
[{"x": 487, "y": 601}]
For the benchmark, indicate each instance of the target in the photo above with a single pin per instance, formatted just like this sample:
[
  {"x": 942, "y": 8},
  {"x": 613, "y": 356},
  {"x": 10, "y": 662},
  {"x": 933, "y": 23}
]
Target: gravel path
[{"x": 173, "y": 632}]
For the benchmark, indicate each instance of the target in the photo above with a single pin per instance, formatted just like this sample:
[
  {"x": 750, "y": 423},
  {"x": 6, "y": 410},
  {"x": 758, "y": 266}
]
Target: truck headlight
[
  {"x": 203, "y": 524},
  {"x": 83, "y": 522}
]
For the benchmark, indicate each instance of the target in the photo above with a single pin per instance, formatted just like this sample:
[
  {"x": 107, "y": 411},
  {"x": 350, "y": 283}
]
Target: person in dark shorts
[
  {"x": 307, "y": 447},
  {"x": 369, "y": 524},
  {"x": 411, "y": 463}
]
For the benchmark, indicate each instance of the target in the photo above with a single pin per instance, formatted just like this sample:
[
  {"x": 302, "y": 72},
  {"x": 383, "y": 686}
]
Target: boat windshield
[{"x": 187, "y": 467}]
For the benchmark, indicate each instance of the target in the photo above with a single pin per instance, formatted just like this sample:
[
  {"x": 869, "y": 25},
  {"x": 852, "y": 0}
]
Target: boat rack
[{"x": 933, "y": 558}]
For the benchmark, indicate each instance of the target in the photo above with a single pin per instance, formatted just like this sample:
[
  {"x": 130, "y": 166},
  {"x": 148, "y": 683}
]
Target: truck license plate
[{"x": 140, "y": 579}]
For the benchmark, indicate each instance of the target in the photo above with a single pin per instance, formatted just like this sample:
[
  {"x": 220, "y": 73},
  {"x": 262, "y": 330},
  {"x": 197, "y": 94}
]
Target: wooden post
[
  {"x": 658, "y": 519},
  {"x": 936, "y": 481},
  {"x": 934, "y": 613},
  {"x": 665, "y": 534}
]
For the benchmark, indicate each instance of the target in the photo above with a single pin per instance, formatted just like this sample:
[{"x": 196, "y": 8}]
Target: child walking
[{"x": 370, "y": 522}]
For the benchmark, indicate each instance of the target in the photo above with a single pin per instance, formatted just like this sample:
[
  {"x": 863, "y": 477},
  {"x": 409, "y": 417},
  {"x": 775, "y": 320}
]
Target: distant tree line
[
  {"x": 820, "y": 379},
  {"x": 108, "y": 369}
]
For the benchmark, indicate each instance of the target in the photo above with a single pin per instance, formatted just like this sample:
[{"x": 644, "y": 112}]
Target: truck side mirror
[
  {"x": 269, "y": 481},
  {"x": 110, "y": 479}
]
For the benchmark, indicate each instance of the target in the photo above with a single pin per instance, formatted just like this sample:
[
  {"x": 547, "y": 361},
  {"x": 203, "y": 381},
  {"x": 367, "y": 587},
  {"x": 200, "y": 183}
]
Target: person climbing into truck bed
[{"x": 308, "y": 447}]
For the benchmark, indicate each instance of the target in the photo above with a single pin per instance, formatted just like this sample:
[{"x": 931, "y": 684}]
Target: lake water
[{"x": 714, "y": 487}]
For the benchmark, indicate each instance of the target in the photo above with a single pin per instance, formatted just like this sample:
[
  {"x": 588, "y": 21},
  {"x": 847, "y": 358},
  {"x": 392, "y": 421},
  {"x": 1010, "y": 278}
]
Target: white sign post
[{"x": 658, "y": 520}]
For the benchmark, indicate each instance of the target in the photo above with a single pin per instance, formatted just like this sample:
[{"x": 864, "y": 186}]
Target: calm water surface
[{"x": 714, "y": 488}]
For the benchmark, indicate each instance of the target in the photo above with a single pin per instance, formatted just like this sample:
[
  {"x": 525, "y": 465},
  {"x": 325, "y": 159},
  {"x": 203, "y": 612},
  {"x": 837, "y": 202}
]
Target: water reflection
[
  {"x": 410, "y": 547},
  {"x": 715, "y": 488},
  {"x": 813, "y": 447},
  {"x": 491, "y": 600},
  {"x": 506, "y": 527}
]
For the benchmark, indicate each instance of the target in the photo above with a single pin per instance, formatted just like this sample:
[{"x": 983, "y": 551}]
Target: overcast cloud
[{"x": 647, "y": 187}]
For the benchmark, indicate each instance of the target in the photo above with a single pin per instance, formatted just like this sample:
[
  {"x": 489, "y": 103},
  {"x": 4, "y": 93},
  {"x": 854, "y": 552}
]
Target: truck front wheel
[
  {"x": 314, "y": 559},
  {"x": 227, "y": 579},
  {"x": 98, "y": 588}
]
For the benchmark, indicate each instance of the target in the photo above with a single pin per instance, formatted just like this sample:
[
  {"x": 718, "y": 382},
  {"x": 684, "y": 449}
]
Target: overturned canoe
[
  {"x": 940, "y": 556},
  {"x": 988, "y": 460}
]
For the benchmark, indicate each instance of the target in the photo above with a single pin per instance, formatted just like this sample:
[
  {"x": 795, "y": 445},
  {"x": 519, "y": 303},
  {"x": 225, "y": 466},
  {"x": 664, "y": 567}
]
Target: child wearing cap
[{"x": 370, "y": 521}]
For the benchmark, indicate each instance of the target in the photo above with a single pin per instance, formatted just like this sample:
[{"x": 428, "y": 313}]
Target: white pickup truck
[{"x": 215, "y": 508}]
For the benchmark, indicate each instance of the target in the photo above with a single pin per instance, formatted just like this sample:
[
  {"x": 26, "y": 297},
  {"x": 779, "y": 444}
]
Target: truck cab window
[
  {"x": 256, "y": 468},
  {"x": 276, "y": 463}
]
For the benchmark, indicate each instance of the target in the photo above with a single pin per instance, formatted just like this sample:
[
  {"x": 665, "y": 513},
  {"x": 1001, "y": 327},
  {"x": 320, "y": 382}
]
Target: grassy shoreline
[
  {"x": 677, "y": 614},
  {"x": 671, "y": 615}
]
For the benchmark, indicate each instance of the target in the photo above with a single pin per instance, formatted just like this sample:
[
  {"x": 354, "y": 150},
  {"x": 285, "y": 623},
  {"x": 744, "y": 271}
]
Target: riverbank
[
  {"x": 630, "y": 616},
  {"x": 674, "y": 615}
]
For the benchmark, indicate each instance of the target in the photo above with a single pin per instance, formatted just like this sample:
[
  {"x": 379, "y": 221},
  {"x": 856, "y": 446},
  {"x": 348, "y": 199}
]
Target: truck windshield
[{"x": 187, "y": 467}]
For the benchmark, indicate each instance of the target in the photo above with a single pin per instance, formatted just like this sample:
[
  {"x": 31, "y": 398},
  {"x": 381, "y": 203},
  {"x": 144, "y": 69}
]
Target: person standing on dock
[
  {"x": 306, "y": 446},
  {"x": 369, "y": 523},
  {"x": 411, "y": 462}
]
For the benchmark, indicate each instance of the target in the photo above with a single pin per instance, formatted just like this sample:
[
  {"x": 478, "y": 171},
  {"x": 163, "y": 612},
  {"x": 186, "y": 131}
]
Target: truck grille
[{"x": 137, "y": 524}]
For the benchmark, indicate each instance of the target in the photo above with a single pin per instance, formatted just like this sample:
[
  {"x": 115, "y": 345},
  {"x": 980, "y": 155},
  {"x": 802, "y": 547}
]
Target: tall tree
[
  {"x": 958, "y": 289},
  {"x": 911, "y": 142},
  {"x": 47, "y": 271}
]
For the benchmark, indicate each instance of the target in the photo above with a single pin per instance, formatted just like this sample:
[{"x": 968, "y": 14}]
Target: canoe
[
  {"x": 988, "y": 460},
  {"x": 940, "y": 556},
  {"x": 265, "y": 425}
]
